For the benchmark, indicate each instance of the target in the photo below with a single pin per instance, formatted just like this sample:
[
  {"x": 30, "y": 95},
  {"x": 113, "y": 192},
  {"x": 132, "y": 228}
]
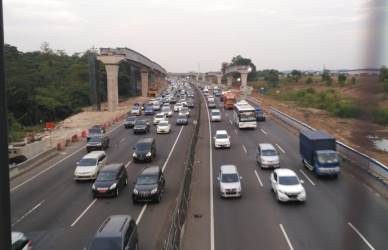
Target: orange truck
[{"x": 229, "y": 100}]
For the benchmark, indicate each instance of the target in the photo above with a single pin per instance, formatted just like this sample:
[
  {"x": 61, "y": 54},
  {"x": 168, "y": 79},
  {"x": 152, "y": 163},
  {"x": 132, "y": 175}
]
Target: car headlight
[
  {"x": 93, "y": 186},
  {"x": 113, "y": 186},
  {"x": 153, "y": 191},
  {"x": 302, "y": 193},
  {"x": 134, "y": 154},
  {"x": 148, "y": 154},
  {"x": 135, "y": 191}
]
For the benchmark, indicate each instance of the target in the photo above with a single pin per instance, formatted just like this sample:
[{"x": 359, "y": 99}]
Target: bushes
[{"x": 381, "y": 116}]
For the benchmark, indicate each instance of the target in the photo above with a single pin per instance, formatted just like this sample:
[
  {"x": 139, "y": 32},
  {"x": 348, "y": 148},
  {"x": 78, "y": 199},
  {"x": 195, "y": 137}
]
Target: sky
[{"x": 198, "y": 35}]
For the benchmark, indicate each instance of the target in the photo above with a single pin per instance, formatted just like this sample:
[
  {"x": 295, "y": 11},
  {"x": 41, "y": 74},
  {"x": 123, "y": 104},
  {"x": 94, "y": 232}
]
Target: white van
[
  {"x": 89, "y": 166},
  {"x": 230, "y": 181}
]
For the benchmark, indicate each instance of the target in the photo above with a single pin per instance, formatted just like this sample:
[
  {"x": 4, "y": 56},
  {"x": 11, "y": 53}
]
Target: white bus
[{"x": 244, "y": 115}]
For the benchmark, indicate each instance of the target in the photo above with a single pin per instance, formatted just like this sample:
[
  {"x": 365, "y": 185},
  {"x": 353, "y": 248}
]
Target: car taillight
[{"x": 29, "y": 243}]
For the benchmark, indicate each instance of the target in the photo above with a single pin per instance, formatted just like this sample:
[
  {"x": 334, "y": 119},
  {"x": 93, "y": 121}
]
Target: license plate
[{"x": 102, "y": 190}]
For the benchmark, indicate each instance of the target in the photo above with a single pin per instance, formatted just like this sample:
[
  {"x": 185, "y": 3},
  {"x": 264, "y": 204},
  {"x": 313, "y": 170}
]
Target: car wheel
[
  {"x": 159, "y": 199},
  {"x": 94, "y": 196}
]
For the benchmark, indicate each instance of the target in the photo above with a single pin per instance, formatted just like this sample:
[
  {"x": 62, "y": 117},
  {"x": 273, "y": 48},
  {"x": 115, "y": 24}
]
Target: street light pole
[{"x": 5, "y": 211}]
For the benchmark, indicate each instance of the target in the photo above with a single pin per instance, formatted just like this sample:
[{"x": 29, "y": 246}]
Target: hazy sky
[{"x": 182, "y": 34}]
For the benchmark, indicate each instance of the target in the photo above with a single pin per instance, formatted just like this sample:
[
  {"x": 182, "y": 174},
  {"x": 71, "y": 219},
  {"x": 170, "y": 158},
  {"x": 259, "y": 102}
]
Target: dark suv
[
  {"x": 97, "y": 142},
  {"x": 149, "y": 185},
  {"x": 144, "y": 150},
  {"x": 141, "y": 126},
  {"x": 110, "y": 180},
  {"x": 117, "y": 232}
]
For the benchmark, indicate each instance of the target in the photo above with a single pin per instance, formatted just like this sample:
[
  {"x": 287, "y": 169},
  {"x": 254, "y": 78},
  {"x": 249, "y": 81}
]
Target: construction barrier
[
  {"x": 67, "y": 142},
  {"x": 74, "y": 138},
  {"x": 60, "y": 146},
  {"x": 84, "y": 134}
]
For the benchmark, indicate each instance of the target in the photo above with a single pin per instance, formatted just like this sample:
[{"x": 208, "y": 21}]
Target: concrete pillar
[
  {"x": 244, "y": 77},
  {"x": 112, "y": 74},
  {"x": 144, "y": 82},
  {"x": 229, "y": 79},
  {"x": 219, "y": 79},
  {"x": 132, "y": 81}
]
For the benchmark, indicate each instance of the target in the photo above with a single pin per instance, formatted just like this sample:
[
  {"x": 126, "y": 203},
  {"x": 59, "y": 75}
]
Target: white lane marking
[
  {"x": 172, "y": 149},
  {"x": 141, "y": 214},
  {"x": 53, "y": 166},
  {"x": 361, "y": 236},
  {"x": 211, "y": 181},
  {"x": 122, "y": 140},
  {"x": 235, "y": 131},
  {"x": 230, "y": 121},
  {"x": 258, "y": 178},
  {"x": 280, "y": 148},
  {"x": 286, "y": 236},
  {"x": 83, "y": 213},
  {"x": 129, "y": 163},
  {"x": 307, "y": 177},
  {"x": 263, "y": 131},
  {"x": 28, "y": 213},
  {"x": 244, "y": 148}
]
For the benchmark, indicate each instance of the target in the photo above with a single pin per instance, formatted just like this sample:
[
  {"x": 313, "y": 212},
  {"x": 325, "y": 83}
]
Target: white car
[
  {"x": 184, "y": 111},
  {"x": 159, "y": 117},
  {"x": 136, "y": 110},
  {"x": 163, "y": 127},
  {"x": 230, "y": 181},
  {"x": 89, "y": 166},
  {"x": 20, "y": 241},
  {"x": 215, "y": 115},
  {"x": 267, "y": 156},
  {"x": 167, "y": 110},
  {"x": 287, "y": 186},
  {"x": 177, "y": 107},
  {"x": 222, "y": 139},
  {"x": 156, "y": 105},
  {"x": 210, "y": 98}
]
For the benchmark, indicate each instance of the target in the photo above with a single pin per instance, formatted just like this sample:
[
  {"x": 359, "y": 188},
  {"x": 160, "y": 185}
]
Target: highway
[
  {"x": 56, "y": 212},
  {"x": 339, "y": 213}
]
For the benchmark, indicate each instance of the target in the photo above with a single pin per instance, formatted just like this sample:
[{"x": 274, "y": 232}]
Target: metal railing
[
  {"x": 359, "y": 159},
  {"x": 174, "y": 238}
]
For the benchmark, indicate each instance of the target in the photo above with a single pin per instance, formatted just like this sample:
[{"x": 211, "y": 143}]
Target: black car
[
  {"x": 110, "y": 180},
  {"x": 117, "y": 232},
  {"x": 172, "y": 100},
  {"x": 97, "y": 142},
  {"x": 182, "y": 120},
  {"x": 149, "y": 185},
  {"x": 144, "y": 150},
  {"x": 130, "y": 121},
  {"x": 211, "y": 105},
  {"x": 141, "y": 126}
]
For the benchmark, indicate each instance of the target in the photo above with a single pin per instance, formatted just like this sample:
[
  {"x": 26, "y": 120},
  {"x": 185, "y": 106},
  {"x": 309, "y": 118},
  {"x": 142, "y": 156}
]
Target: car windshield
[
  {"x": 221, "y": 136},
  {"x": 288, "y": 180},
  {"x": 327, "y": 157},
  {"x": 141, "y": 122},
  {"x": 136, "y": 108},
  {"x": 215, "y": 113},
  {"x": 163, "y": 123},
  {"x": 166, "y": 109},
  {"x": 142, "y": 146},
  {"x": 181, "y": 117},
  {"x": 146, "y": 179},
  {"x": 106, "y": 244},
  {"x": 229, "y": 178},
  {"x": 159, "y": 116},
  {"x": 106, "y": 176},
  {"x": 86, "y": 162},
  {"x": 129, "y": 119},
  {"x": 269, "y": 152},
  {"x": 95, "y": 139},
  {"x": 184, "y": 110},
  {"x": 95, "y": 131}
]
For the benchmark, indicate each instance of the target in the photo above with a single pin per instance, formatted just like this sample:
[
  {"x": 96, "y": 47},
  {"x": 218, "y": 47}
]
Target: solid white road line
[
  {"x": 141, "y": 214},
  {"x": 280, "y": 148},
  {"x": 129, "y": 163},
  {"x": 83, "y": 213},
  {"x": 244, "y": 148},
  {"x": 361, "y": 236},
  {"x": 231, "y": 123},
  {"x": 55, "y": 165},
  {"x": 286, "y": 236},
  {"x": 258, "y": 178},
  {"x": 263, "y": 131},
  {"x": 211, "y": 180},
  {"x": 172, "y": 149},
  {"x": 307, "y": 177},
  {"x": 28, "y": 213}
]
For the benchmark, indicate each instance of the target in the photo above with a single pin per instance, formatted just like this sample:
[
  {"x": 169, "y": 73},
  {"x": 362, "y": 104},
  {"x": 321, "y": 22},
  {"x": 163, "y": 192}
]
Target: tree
[
  {"x": 271, "y": 76},
  {"x": 296, "y": 75},
  {"x": 224, "y": 65},
  {"x": 326, "y": 77},
  {"x": 342, "y": 78},
  {"x": 309, "y": 80},
  {"x": 353, "y": 80},
  {"x": 383, "y": 73},
  {"x": 239, "y": 60}
]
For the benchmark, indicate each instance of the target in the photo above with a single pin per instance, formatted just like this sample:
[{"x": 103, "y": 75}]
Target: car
[
  {"x": 167, "y": 110},
  {"x": 215, "y": 115},
  {"x": 149, "y": 110},
  {"x": 156, "y": 105},
  {"x": 177, "y": 106},
  {"x": 144, "y": 150},
  {"x": 182, "y": 120},
  {"x": 166, "y": 104},
  {"x": 141, "y": 126},
  {"x": 172, "y": 100},
  {"x": 210, "y": 98},
  {"x": 97, "y": 129},
  {"x": 159, "y": 117},
  {"x": 20, "y": 242},
  {"x": 149, "y": 185},
  {"x": 184, "y": 111},
  {"x": 287, "y": 186},
  {"x": 136, "y": 110},
  {"x": 97, "y": 142},
  {"x": 110, "y": 180},
  {"x": 222, "y": 139},
  {"x": 130, "y": 121},
  {"x": 163, "y": 127},
  {"x": 190, "y": 104},
  {"x": 89, "y": 166},
  {"x": 212, "y": 105},
  {"x": 267, "y": 156},
  {"x": 117, "y": 232},
  {"x": 260, "y": 116},
  {"x": 230, "y": 181}
]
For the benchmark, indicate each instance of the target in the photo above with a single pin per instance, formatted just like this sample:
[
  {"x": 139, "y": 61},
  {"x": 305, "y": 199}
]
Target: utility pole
[{"x": 5, "y": 210}]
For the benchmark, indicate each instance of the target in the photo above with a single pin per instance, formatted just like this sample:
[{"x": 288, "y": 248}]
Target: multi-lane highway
[
  {"x": 340, "y": 213},
  {"x": 56, "y": 212}
]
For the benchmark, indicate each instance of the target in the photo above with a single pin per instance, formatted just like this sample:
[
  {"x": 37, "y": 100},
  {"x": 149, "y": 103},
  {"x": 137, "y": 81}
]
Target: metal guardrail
[
  {"x": 173, "y": 241},
  {"x": 362, "y": 160}
]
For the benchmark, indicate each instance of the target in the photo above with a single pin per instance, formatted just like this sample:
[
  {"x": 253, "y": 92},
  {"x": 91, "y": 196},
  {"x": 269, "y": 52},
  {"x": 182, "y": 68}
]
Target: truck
[
  {"x": 229, "y": 99},
  {"x": 319, "y": 153}
]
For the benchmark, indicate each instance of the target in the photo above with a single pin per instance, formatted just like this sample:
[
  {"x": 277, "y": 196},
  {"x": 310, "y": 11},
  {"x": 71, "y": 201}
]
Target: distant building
[{"x": 360, "y": 72}]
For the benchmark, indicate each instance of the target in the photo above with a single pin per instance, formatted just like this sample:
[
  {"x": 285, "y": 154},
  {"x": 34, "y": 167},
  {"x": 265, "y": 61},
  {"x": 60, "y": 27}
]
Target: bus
[{"x": 244, "y": 115}]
